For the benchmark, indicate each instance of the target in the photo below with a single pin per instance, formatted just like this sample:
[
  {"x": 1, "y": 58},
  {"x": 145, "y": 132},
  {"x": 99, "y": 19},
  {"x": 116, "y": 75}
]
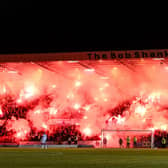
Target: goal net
[{"x": 120, "y": 139}]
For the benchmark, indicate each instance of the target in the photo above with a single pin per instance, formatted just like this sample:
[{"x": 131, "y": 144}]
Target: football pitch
[{"x": 83, "y": 158}]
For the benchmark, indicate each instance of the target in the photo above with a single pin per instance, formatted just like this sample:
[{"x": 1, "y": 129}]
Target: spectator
[
  {"x": 104, "y": 141},
  {"x": 76, "y": 140},
  {"x": 43, "y": 141},
  {"x": 121, "y": 142},
  {"x": 69, "y": 140}
]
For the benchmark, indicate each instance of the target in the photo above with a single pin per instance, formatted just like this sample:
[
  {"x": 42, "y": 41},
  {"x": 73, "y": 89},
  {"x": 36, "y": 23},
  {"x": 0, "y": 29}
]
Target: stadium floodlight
[
  {"x": 158, "y": 59},
  {"x": 145, "y": 138},
  {"x": 73, "y": 61}
]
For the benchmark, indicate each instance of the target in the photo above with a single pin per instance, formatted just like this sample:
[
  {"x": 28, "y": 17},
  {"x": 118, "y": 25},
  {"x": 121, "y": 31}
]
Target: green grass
[{"x": 83, "y": 158}]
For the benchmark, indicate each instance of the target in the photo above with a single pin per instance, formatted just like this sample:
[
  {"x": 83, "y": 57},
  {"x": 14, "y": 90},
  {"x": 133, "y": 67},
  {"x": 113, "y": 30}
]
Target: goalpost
[{"x": 145, "y": 138}]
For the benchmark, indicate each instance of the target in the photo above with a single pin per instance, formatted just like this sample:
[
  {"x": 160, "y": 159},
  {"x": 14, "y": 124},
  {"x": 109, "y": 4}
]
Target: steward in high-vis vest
[
  {"x": 135, "y": 142},
  {"x": 163, "y": 142},
  {"x": 128, "y": 141}
]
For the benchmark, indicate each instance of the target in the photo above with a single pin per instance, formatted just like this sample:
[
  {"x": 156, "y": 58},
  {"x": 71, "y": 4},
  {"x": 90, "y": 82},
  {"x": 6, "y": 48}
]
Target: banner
[
  {"x": 128, "y": 54},
  {"x": 77, "y": 56}
]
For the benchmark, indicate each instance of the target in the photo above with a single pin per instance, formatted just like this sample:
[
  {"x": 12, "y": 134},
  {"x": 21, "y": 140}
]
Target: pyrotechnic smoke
[{"x": 115, "y": 97}]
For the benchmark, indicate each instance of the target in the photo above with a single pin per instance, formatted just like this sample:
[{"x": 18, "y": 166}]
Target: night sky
[{"x": 29, "y": 29}]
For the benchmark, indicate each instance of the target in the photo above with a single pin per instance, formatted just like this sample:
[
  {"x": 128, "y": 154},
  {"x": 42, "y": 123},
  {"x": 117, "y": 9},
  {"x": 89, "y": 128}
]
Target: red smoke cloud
[{"x": 113, "y": 96}]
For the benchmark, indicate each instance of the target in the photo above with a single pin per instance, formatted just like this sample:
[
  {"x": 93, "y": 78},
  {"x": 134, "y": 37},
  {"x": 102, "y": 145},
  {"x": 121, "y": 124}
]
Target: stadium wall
[{"x": 93, "y": 55}]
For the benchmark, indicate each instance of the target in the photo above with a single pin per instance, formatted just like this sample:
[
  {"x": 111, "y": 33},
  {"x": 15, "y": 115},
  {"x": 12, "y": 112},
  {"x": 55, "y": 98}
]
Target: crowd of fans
[
  {"x": 120, "y": 108},
  {"x": 60, "y": 134},
  {"x": 70, "y": 134}
]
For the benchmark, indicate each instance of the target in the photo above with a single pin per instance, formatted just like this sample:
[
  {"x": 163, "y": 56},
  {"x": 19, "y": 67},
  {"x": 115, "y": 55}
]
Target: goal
[{"x": 110, "y": 138}]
